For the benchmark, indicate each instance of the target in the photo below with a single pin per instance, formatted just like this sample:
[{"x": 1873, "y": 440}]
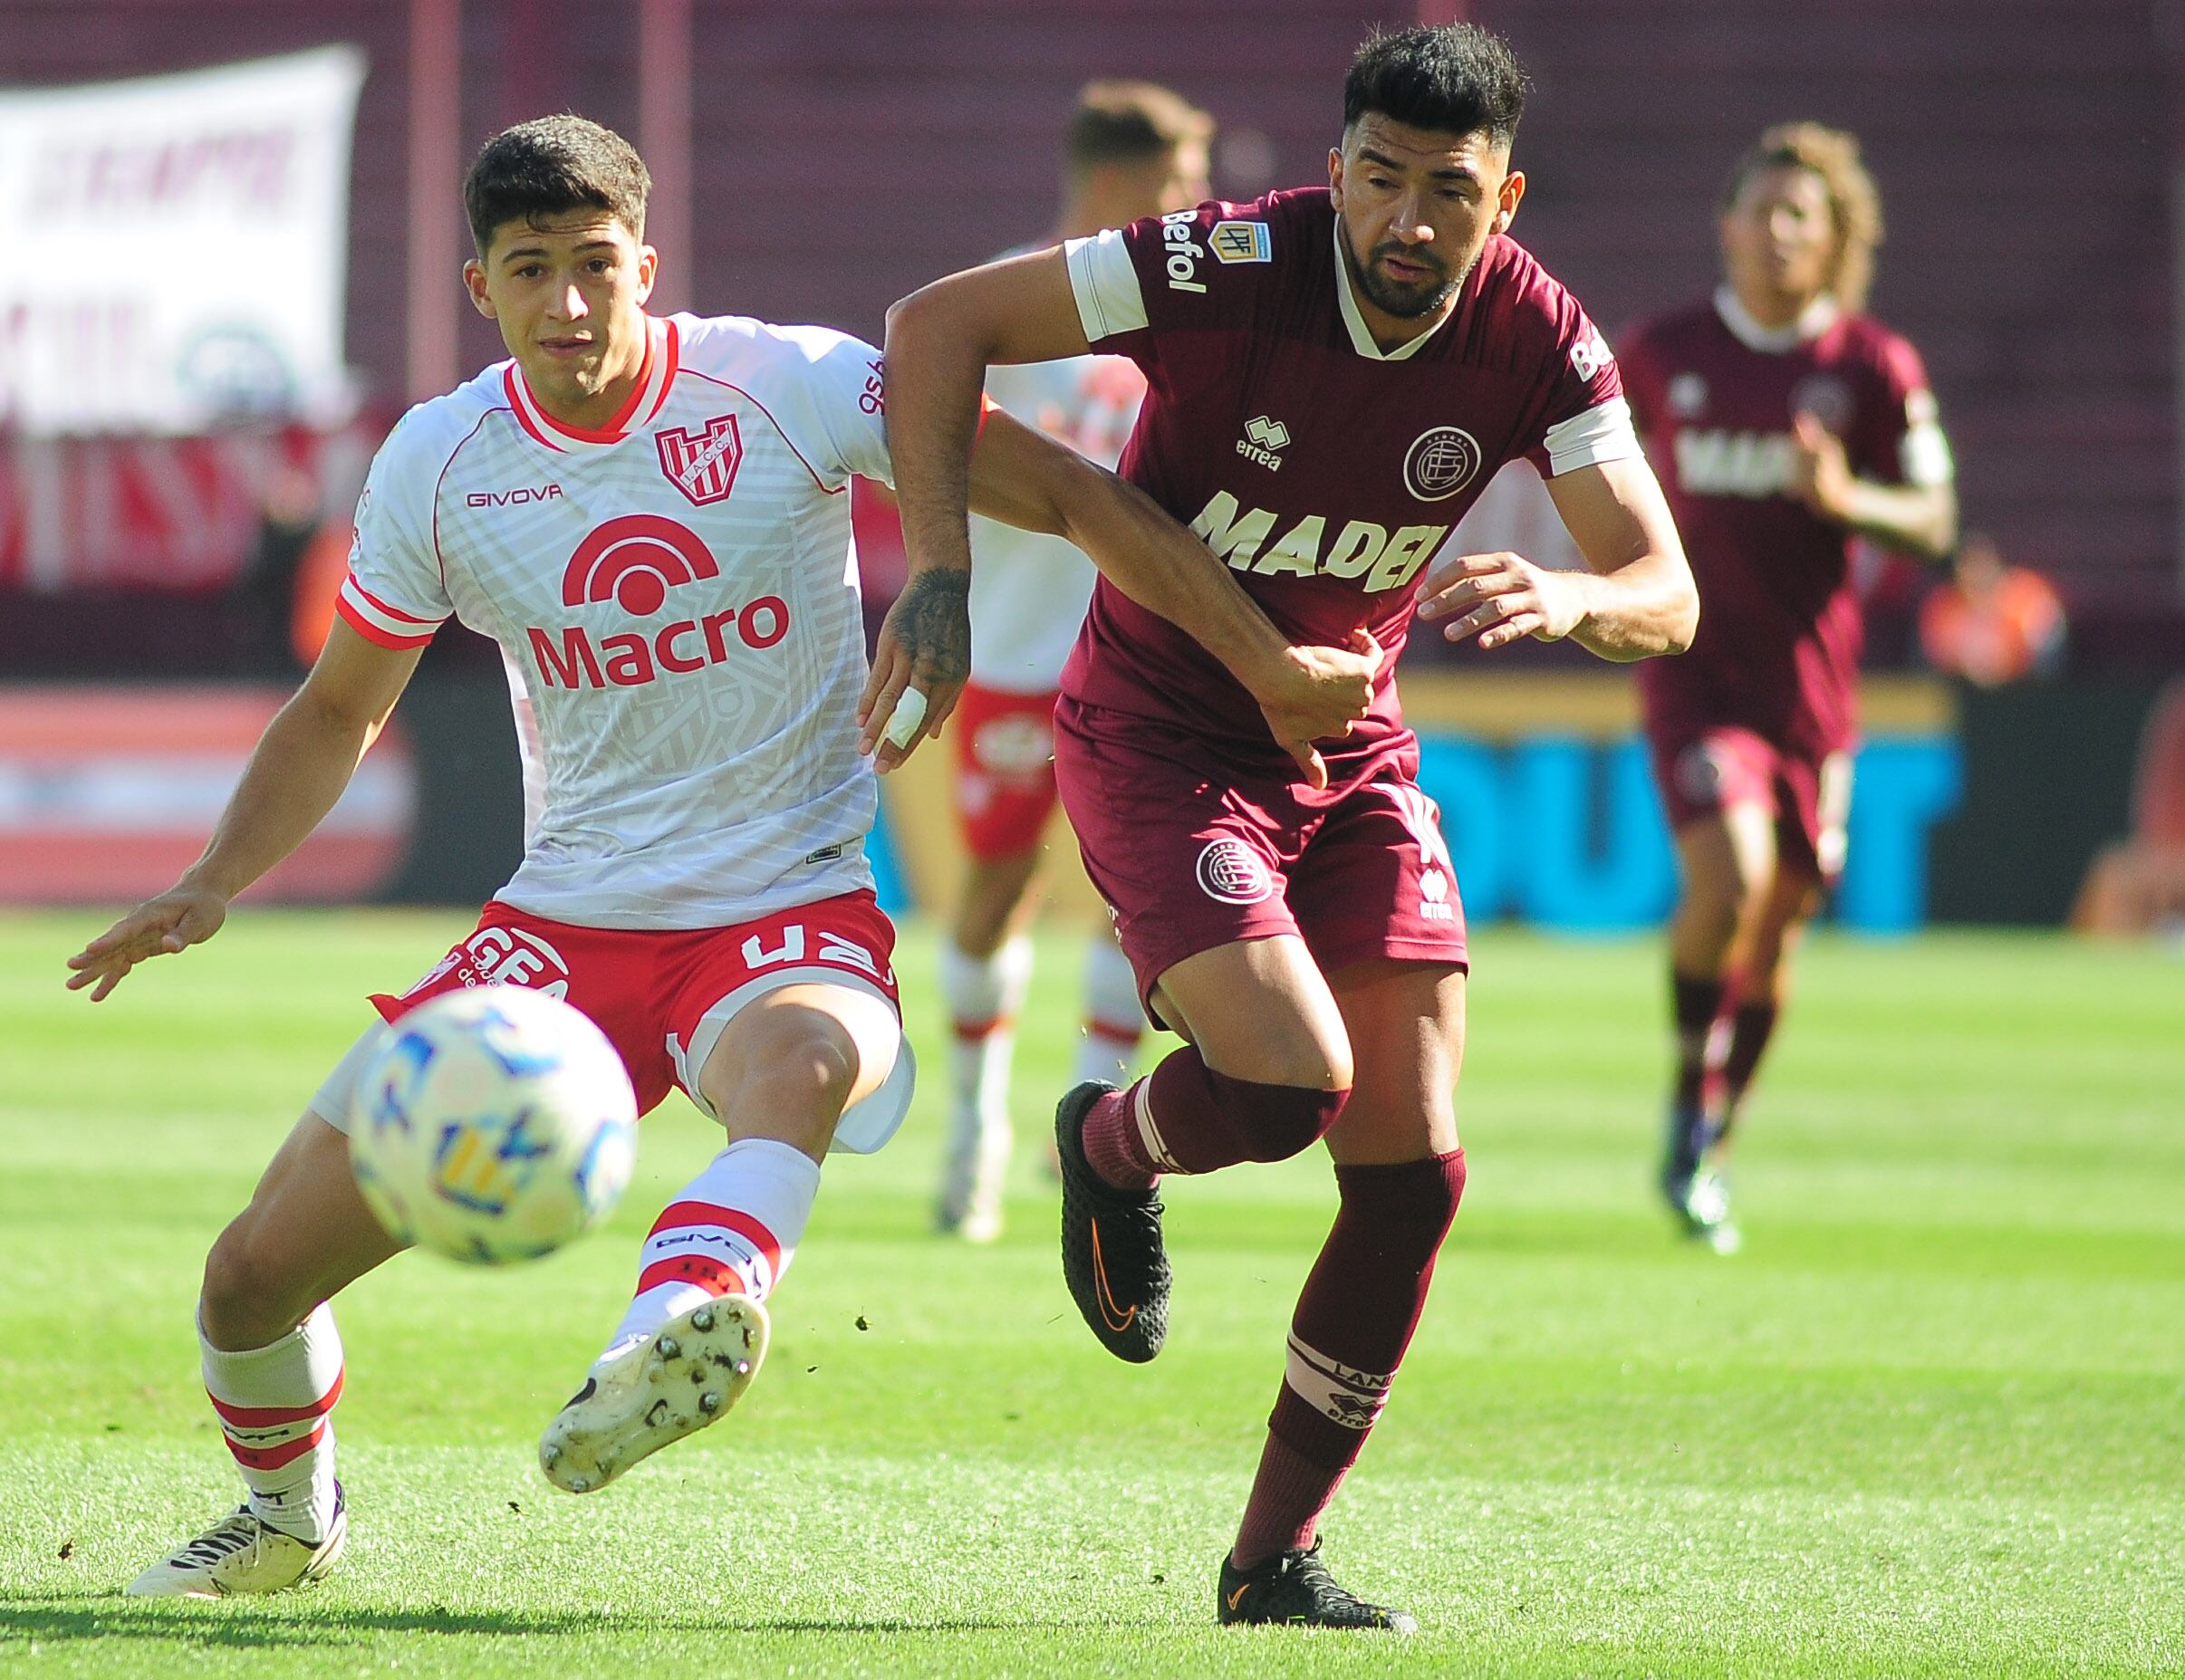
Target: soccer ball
[{"x": 491, "y": 1125}]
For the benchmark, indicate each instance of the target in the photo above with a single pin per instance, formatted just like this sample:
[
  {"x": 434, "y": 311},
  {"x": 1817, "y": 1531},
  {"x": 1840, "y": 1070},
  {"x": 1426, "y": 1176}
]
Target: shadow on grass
[{"x": 60, "y": 1618}]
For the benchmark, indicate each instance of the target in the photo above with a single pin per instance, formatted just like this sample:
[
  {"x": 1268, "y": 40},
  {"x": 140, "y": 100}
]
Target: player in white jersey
[
  {"x": 649, "y": 517},
  {"x": 1133, "y": 149}
]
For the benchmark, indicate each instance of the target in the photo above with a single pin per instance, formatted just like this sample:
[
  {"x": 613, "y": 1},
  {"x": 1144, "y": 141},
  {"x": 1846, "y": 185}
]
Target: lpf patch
[
  {"x": 1824, "y": 397},
  {"x": 1231, "y": 872},
  {"x": 1440, "y": 462},
  {"x": 1688, "y": 395}
]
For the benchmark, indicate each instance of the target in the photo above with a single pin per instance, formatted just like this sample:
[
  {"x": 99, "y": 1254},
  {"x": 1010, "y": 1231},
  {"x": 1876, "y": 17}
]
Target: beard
[{"x": 1404, "y": 302}]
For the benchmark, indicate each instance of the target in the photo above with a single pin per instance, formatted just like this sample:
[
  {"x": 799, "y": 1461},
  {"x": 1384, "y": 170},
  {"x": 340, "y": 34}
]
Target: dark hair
[
  {"x": 1854, "y": 203},
  {"x": 1131, "y": 123},
  {"x": 550, "y": 166},
  {"x": 1453, "y": 78}
]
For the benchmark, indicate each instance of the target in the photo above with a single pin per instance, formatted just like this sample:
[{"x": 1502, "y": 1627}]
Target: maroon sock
[
  {"x": 1695, "y": 1004},
  {"x": 1751, "y": 1026},
  {"x": 1185, "y": 1117},
  {"x": 1354, "y": 1321}
]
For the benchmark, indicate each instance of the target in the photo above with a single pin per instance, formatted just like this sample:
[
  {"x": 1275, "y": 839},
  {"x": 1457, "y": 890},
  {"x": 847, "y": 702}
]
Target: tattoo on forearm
[{"x": 933, "y": 623}]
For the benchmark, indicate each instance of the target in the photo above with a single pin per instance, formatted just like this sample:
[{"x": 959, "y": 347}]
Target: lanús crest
[{"x": 702, "y": 464}]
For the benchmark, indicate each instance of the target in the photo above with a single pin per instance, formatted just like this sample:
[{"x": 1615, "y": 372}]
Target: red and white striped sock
[
  {"x": 733, "y": 1229},
  {"x": 275, "y": 1405},
  {"x": 1114, "y": 1020}
]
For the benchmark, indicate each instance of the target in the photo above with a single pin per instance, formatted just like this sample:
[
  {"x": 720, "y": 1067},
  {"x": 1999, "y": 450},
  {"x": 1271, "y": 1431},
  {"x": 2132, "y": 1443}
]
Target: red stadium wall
[{"x": 845, "y": 150}]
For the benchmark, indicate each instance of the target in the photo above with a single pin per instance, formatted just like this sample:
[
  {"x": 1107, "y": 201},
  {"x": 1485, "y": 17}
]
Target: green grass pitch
[{"x": 1931, "y": 1422}]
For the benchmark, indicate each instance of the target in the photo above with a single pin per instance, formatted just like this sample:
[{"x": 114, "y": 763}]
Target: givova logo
[{"x": 634, "y": 562}]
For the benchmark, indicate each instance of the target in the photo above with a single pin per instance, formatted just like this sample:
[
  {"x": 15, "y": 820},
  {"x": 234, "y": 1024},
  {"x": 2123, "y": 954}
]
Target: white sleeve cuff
[
  {"x": 1923, "y": 457},
  {"x": 1601, "y": 433},
  {"x": 1109, "y": 301}
]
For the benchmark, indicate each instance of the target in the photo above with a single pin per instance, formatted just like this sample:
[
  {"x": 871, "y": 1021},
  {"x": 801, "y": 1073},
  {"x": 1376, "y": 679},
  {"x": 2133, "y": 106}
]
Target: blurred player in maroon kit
[
  {"x": 1787, "y": 426},
  {"x": 1334, "y": 376}
]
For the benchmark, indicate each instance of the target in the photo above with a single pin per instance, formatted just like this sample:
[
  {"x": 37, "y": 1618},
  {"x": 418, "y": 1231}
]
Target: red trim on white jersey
[
  {"x": 376, "y": 621},
  {"x": 656, "y": 376},
  {"x": 714, "y": 379}
]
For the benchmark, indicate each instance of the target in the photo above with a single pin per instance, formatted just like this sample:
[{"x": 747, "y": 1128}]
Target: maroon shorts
[
  {"x": 1702, "y": 769},
  {"x": 1005, "y": 769},
  {"x": 1192, "y": 851}
]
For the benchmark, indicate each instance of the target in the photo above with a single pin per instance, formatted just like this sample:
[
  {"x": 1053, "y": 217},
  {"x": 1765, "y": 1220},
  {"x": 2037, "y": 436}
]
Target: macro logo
[
  {"x": 634, "y": 559},
  {"x": 634, "y": 562}
]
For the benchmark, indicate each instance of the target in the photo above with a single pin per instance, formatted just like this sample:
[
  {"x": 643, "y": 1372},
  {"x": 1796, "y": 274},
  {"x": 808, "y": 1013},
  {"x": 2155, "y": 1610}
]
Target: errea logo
[{"x": 1263, "y": 442}]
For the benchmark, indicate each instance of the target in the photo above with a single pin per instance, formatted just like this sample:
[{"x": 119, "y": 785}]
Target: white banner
[{"x": 177, "y": 248}]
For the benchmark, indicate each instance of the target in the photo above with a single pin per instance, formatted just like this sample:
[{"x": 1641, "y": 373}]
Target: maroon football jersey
[
  {"x": 1713, "y": 394},
  {"x": 1326, "y": 473}
]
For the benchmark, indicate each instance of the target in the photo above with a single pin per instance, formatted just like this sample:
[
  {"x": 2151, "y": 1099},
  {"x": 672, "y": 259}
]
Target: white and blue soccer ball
[{"x": 492, "y": 1125}]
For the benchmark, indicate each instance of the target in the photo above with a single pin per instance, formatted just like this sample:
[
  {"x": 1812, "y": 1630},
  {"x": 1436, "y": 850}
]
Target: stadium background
[
  {"x": 1927, "y": 1423},
  {"x": 818, "y": 161}
]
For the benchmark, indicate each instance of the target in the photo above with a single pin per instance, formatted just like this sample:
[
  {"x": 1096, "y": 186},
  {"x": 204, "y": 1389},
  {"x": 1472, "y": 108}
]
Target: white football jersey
[
  {"x": 1028, "y": 590},
  {"x": 676, "y": 602}
]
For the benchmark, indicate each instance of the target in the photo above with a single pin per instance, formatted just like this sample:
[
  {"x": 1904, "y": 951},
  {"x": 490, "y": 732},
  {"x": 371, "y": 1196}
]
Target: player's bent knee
[
  {"x": 251, "y": 1294},
  {"x": 795, "y": 1064}
]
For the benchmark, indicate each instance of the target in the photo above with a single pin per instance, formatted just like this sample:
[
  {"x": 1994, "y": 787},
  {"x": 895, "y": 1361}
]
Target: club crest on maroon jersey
[
  {"x": 1440, "y": 462},
  {"x": 702, "y": 464},
  {"x": 1826, "y": 397}
]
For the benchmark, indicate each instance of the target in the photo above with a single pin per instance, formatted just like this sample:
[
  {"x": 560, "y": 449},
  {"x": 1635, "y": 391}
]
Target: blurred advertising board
[
  {"x": 1548, "y": 805},
  {"x": 177, "y": 248},
  {"x": 157, "y": 512},
  {"x": 107, "y": 794}
]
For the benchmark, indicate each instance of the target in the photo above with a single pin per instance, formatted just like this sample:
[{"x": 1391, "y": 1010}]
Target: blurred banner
[
  {"x": 157, "y": 512},
  {"x": 177, "y": 248},
  {"x": 106, "y": 794}
]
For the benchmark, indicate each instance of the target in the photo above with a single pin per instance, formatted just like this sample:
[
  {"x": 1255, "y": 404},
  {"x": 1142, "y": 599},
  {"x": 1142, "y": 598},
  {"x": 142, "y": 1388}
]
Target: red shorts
[
  {"x": 1004, "y": 770},
  {"x": 662, "y": 996},
  {"x": 1192, "y": 851},
  {"x": 1703, "y": 770}
]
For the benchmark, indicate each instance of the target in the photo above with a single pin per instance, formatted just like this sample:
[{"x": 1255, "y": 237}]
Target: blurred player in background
[
  {"x": 1133, "y": 150},
  {"x": 648, "y": 514},
  {"x": 1334, "y": 374},
  {"x": 1789, "y": 426}
]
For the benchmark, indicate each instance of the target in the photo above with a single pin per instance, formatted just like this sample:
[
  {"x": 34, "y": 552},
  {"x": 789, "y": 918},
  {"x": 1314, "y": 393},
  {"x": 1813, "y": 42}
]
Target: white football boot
[
  {"x": 240, "y": 1554},
  {"x": 654, "y": 1392}
]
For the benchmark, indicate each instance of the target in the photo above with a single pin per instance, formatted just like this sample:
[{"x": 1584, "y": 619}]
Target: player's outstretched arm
[
  {"x": 1920, "y": 520},
  {"x": 1308, "y": 694},
  {"x": 296, "y": 773},
  {"x": 941, "y": 341},
  {"x": 1636, "y": 602}
]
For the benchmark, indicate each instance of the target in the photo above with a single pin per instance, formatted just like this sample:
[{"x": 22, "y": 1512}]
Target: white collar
[
  {"x": 1816, "y": 318},
  {"x": 1362, "y": 341}
]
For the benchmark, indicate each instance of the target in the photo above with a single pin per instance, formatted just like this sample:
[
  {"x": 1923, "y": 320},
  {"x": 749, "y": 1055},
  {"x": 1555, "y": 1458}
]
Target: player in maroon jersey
[
  {"x": 1334, "y": 376},
  {"x": 1787, "y": 426}
]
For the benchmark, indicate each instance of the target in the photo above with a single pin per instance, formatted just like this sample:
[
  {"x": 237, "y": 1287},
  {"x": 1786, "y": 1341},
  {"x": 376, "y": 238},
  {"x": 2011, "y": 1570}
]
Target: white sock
[
  {"x": 983, "y": 995},
  {"x": 277, "y": 1406},
  {"x": 1114, "y": 1020},
  {"x": 733, "y": 1229}
]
